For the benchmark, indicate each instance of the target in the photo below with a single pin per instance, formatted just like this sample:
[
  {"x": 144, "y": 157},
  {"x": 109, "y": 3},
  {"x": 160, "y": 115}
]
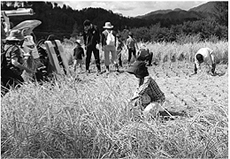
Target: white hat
[
  {"x": 108, "y": 25},
  {"x": 78, "y": 41}
]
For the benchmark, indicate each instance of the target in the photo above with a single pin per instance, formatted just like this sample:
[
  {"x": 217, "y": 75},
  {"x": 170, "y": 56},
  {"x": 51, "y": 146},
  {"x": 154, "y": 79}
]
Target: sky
[{"x": 132, "y": 8}]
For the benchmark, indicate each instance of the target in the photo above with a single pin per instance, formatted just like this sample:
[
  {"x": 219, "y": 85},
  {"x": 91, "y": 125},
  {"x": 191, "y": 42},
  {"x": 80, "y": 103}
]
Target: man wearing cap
[
  {"x": 206, "y": 56},
  {"x": 132, "y": 47},
  {"x": 109, "y": 45},
  {"x": 91, "y": 38},
  {"x": 13, "y": 66}
]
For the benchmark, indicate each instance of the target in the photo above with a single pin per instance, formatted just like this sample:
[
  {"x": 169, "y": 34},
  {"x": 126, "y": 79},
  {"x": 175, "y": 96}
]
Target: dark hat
[
  {"x": 15, "y": 35},
  {"x": 139, "y": 69},
  {"x": 87, "y": 22}
]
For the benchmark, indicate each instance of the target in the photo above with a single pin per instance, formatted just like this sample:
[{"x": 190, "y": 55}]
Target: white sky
[{"x": 132, "y": 8}]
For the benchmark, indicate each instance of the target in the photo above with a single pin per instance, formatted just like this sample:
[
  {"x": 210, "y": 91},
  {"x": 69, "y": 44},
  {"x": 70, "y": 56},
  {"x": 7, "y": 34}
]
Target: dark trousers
[
  {"x": 95, "y": 51},
  {"x": 119, "y": 58},
  {"x": 10, "y": 79},
  {"x": 131, "y": 51}
]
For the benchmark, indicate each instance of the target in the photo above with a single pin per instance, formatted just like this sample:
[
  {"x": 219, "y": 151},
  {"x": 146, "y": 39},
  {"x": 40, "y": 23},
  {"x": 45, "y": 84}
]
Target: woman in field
[{"x": 148, "y": 97}]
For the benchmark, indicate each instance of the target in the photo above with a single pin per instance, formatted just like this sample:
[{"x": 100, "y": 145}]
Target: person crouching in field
[
  {"x": 78, "y": 55},
  {"x": 206, "y": 56},
  {"x": 148, "y": 96},
  {"x": 145, "y": 55},
  {"x": 12, "y": 65}
]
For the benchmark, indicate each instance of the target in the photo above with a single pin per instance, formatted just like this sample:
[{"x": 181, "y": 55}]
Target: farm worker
[
  {"x": 119, "y": 48},
  {"x": 144, "y": 54},
  {"x": 205, "y": 55},
  {"x": 132, "y": 46},
  {"x": 30, "y": 47},
  {"x": 148, "y": 96},
  {"x": 78, "y": 55},
  {"x": 109, "y": 46},
  {"x": 91, "y": 39},
  {"x": 13, "y": 62}
]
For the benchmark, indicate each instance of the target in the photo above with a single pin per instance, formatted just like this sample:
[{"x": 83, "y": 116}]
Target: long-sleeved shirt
[
  {"x": 92, "y": 37},
  {"x": 149, "y": 92},
  {"x": 208, "y": 56}
]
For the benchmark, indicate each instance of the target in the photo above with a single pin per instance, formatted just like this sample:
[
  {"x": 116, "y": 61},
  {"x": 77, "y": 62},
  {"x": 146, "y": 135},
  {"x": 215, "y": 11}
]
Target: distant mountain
[
  {"x": 178, "y": 15},
  {"x": 209, "y": 7}
]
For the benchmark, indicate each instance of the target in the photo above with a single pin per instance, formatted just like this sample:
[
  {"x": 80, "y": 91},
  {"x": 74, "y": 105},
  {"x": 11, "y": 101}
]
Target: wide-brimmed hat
[
  {"x": 15, "y": 35},
  {"x": 78, "y": 41},
  {"x": 27, "y": 24},
  {"x": 108, "y": 25},
  {"x": 139, "y": 69}
]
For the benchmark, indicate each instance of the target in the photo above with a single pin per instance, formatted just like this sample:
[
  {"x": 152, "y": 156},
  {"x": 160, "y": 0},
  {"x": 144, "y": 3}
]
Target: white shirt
[{"x": 208, "y": 56}]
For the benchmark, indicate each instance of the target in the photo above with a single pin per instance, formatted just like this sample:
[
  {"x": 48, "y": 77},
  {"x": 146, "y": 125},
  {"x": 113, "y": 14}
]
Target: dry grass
[
  {"x": 163, "y": 52},
  {"x": 89, "y": 118}
]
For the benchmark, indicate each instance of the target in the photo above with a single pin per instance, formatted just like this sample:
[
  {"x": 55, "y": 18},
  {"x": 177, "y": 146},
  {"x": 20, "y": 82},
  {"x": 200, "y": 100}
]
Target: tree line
[{"x": 66, "y": 22}]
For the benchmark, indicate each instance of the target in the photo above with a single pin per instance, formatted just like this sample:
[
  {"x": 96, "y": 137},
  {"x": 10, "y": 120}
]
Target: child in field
[
  {"x": 206, "y": 56},
  {"x": 148, "y": 98},
  {"x": 78, "y": 55}
]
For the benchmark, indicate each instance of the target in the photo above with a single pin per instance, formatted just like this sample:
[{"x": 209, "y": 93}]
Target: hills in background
[
  {"x": 178, "y": 15},
  {"x": 66, "y": 21}
]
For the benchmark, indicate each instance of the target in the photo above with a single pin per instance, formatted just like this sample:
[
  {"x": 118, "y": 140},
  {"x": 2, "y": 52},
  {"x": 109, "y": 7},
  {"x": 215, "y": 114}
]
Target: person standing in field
[
  {"x": 109, "y": 46},
  {"x": 91, "y": 38},
  {"x": 145, "y": 55},
  {"x": 206, "y": 56},
  {"x": 78, "y": 55},
  {"x": 131, "y": 46},
  {"x": 119, "y": 48}
]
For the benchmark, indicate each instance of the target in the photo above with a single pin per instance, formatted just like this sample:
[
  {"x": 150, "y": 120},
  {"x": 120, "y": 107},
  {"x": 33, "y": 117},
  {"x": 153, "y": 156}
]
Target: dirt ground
[{"x": 183, "y": 91}]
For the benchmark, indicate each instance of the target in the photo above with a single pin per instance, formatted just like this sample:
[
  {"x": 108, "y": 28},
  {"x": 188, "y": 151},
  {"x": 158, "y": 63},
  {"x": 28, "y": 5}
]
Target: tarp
[{"x": 27, "y": 24}]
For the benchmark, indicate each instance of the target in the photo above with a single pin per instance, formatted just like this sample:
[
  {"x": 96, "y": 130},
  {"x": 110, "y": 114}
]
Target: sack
[{"x": 110, "y": 40}]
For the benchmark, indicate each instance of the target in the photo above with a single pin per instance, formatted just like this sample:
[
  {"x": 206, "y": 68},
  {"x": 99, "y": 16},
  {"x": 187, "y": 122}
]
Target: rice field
[{"x": 88, "y": 116}]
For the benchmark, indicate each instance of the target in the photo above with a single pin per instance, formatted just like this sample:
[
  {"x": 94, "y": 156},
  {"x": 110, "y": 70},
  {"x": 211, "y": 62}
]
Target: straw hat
[
  {"x": 139, "y": 69},
  {"x": 108, "y": 25},
  {"x": 15, "y": 35}
]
